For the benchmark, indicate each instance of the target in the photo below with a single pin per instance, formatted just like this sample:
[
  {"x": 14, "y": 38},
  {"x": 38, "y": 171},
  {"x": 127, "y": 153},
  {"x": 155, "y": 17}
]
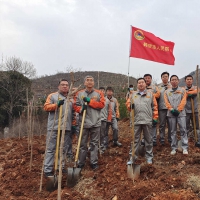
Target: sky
[{"x": 94, "y": 35}]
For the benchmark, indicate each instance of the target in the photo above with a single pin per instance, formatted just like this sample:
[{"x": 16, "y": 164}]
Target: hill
[
  {"x": 48, "y": 84},
  {"x": 193, "y": 73}
]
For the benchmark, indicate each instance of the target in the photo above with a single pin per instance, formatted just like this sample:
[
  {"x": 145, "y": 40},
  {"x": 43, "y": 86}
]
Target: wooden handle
[
  {"x": 80, "y": 135},
  {"x": 194, "y": 121},
  {"x": 58, "y": 138},
  {"x": 132, "y": 129}
]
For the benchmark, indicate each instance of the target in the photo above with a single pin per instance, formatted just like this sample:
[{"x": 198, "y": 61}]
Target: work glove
[
  {"x": 73, "y": 128},
  {"x": 117, "y": 119},
  {"x": 191, "y": 96},
  {"x": 84, "y": 107},
  {"x": 132, "y": 106},
  {"x": 60, "y": 102},
  {"x": 175, "y": 112},
  {"x": 86, "y": 99},
  {"x": 154, "y": 122}
]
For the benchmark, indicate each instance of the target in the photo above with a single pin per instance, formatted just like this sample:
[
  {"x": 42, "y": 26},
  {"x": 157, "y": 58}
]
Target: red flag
[{"x": 147, "y": 46}]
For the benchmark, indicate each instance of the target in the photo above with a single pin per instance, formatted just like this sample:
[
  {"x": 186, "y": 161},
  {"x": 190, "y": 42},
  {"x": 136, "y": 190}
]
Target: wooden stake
[
  {"x": 30, "y": 133},
  {"x": 20, "y": 120},
  {"x": 197, "y": 82},
  {"x": 28, "y": 138}
]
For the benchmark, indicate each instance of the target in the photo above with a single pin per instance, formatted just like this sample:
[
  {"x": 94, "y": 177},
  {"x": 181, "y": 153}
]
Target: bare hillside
[{"x": 47, "y": 84}]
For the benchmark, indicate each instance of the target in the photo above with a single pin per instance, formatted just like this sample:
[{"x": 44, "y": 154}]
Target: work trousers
[
  {"x": 114, "y": 126},
  {"x": 181, "y": 121},
  {"x": 163, "y": 119},
  {"x": 148, "y": 139},
  {"x": 154, "y": 132},
  {"x": 51, "y": 148},
  {"x": 94, "y": 134},
  {"x": 102, "y": 134}
]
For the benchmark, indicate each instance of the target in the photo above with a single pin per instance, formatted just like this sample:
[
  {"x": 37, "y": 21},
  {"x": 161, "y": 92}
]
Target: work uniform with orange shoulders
[
  {"x": 145, "y": 115},
  {"x": 175, "y": 101},
  {"x": 192, "y": 95}
]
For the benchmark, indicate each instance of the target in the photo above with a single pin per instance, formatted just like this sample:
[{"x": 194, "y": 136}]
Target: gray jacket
[
  {"x": 188, "y": 106},
  {"x": 104, "y": 111},
  {"x": 176, "y": 100},
  {"x": 93, "y": 112},
  {"x": 161, "y": 100},
  {"x": 113, "y": 109},
  {"x": 51, "y": 106},
  {"x": 145, "y": 107}
]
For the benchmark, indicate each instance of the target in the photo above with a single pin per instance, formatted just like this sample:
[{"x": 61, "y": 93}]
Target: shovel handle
[
  {"x": 80, "y": 135},
  {"x": 132, "y": 129},
  {"x": 58, "y": 138},
  {"x": 194, "y": 120}
]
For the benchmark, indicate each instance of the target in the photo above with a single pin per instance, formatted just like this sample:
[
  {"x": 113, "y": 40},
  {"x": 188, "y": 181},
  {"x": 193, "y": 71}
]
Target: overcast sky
[{"x": 95, "y": 34}]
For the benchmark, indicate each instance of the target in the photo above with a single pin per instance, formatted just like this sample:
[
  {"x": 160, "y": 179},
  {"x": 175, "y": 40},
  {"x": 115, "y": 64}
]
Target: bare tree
[
  {"x": 23, "y": 67},
  {"x": 70, "y": 68},
  {"x": 14, "y": 81}
]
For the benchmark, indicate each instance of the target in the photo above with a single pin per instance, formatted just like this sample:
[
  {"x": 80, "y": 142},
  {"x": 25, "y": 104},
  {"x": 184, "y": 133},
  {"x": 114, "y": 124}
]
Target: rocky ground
[{"x": 170, "y": 177}]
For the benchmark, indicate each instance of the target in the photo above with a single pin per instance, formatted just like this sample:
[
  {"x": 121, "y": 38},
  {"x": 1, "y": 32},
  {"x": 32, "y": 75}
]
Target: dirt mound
[{"x": 170, "y": 177}]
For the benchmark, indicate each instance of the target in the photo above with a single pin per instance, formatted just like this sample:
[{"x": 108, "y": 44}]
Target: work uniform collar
[
  {"x": 89, "y": 91},
  {"x": 142, "y": 92},
  {"x": 162, "y": 85},
  {"x": 188, "y": 88},
  {"x": 62, "y": 94},
  {"x": 110, "y": 98},
  {"x": 175, "y": 89}
]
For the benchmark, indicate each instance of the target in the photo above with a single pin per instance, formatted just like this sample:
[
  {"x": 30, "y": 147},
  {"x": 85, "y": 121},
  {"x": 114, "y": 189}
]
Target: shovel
[
  {"x": 52, "y": 182},
  {"x": 133, "y": 170},
  {"x": 73, "y": 174}
]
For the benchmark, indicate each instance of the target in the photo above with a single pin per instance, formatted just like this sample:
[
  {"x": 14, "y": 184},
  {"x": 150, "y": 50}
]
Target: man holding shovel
[
  {"x": 53, "y": 103},
  {"x": 191, "y": 108},
  {"x": 145, "y": 115},
  {"x": 95, "y": 102},
  {"x": 175, "y": 100}
]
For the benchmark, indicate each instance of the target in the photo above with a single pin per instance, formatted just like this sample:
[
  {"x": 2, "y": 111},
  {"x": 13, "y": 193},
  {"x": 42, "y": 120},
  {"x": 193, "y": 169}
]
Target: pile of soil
[{"x": 170, "y": 177}]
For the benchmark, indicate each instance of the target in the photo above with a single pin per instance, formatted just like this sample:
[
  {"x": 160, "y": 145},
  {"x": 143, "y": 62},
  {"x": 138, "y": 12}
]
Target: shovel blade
[
  {"x": 180, "y": 149},
  {"x": 136, "y": 171},
  {"x": 130, "y": 171},
  {"x": 141, "y": 150},
  {"x": 133, "y": 171},
  {"x": 52, "y": 183},
  {"x": 73, "y": 176}
]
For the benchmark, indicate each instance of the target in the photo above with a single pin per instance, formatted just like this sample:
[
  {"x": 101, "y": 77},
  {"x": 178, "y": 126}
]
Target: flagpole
[
  {"x": 129, "y": 53},
  {"x": 197, "y": 82},
  {"x": 128, "y": 69}
]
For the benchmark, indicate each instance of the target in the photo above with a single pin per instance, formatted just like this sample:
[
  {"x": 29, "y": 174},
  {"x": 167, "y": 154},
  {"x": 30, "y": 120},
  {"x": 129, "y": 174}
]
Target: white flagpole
[{"x": 129, "y": 53}]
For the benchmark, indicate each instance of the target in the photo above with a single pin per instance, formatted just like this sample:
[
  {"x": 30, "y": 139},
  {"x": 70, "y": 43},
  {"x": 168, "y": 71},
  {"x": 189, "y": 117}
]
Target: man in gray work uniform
[
  {"x": 91, "y": 129},
  {"x": 52, "y": 105}
]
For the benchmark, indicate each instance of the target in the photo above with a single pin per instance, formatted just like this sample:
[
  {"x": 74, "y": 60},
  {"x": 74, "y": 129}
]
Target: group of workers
[
  {"x": 167, "y": 103},
  {"x": 101, "y": 113}
]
